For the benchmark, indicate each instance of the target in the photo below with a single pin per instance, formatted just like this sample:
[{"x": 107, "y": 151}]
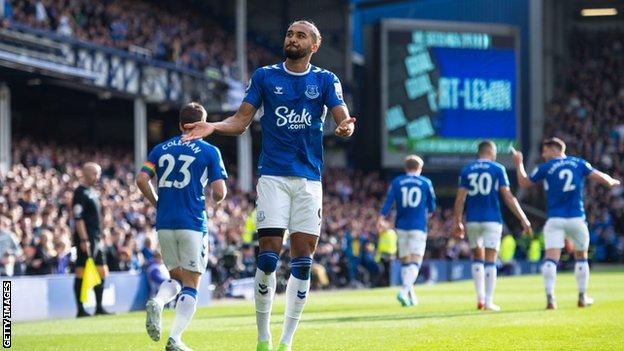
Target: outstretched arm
[
  {"x": 521, "y": 174},
  {"x": 603, "y": 178},
  {"x": 514, "y": 206},
  {"x": 233, "y": 125},
  {"x": 460, "y": 200},
  {"x": 346, "y": 124}
]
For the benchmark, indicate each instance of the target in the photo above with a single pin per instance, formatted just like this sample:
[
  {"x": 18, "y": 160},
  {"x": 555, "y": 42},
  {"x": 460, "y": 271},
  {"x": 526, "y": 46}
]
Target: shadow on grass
[
  {"x": 225, "y": 316},
  {"x": 398, "y": 317},
  {"x": 373, "y": 318}
]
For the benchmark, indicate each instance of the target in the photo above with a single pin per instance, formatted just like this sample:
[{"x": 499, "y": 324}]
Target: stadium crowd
[
  {"x": 587, "y": 112},
  {"x": 170, "y": 31},
  {"x": 35, "y": 198},
  {"x": 36, "y": 221}
]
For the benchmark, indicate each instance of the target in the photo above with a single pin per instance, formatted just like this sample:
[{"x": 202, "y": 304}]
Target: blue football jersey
[
  {"x": 183, "y": 171},
  {"x": 415, "y": 200},
  {"x": 482, "y": 179},
  {"x": 294, "y": 105},
  {"x": 564, "y": 180}
]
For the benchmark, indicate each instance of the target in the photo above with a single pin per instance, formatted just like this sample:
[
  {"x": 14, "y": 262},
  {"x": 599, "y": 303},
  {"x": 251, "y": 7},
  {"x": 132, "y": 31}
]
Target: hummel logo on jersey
[
  {"x": 292, "y": 118},
  {"x": 263, "y": 289},
  {"x": 301, "y": 294},
  {"x": 278, "y": 91}
]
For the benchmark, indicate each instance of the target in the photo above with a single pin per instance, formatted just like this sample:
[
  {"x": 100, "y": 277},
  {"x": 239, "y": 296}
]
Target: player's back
[
  {"x": 183, "y": 171},
  {"x": 414, "y": 198},
  {"x": 482, "y": 179},
  {"x": 564, "y": 179}
]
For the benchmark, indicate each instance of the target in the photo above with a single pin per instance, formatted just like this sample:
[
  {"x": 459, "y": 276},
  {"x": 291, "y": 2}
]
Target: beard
[{"x": 294, "y": 54}]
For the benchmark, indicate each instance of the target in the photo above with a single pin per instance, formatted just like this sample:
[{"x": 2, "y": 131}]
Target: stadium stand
[
  {"x": 36, "y": 224},
  {"x": 169, "y": 31}
]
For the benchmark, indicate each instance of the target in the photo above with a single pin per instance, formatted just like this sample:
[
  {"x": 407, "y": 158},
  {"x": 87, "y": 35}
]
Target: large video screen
[{"x": 447, "y": 86}]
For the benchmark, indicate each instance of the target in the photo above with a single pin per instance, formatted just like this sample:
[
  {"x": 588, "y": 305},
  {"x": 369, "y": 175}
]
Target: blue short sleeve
[
  {"x": 503, "y": 180},
  {"x": 333, "y": 97},
  {"x": 431, "y": 200},
  {"x": 216, "y": 168},
  {"x": 387, "y": 206},
  {"x": 538, "y": 173},
  {"x": 586, "y": 168},
  {"x": 149, "y": 166},
  {"x": 463, "y": 180},
  {"x": 253, "y": 92}
]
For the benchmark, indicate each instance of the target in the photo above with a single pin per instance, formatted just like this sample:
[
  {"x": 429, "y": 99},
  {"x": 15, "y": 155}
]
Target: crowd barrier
[
  {"x": 432, "y": 271},
  {"x": 52, "y": 296},
  {"x": 446, "y": 270}
]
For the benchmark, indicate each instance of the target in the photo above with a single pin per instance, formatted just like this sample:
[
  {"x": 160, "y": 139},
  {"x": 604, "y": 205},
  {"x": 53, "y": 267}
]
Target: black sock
[
  {"x": 77, "y": 288},
  {"x": 99, "y": 290}
]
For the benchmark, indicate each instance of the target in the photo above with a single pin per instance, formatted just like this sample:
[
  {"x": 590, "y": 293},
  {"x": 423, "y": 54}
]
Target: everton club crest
[{"x": 312, "y": 91}]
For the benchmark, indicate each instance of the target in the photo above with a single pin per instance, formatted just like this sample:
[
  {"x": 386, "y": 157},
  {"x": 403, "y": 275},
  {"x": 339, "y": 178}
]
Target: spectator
[
  {"x": 44, "y": 175},
  {"x": 28, "y": 203},
  {"x": 147, "y": 251},
  {"x": 6, "y": 10},
  {"x": 156, "y": 273},
  {"x": 125, "y": 261},
  {"x": 112, "y": 249},
  {"x": 248, "y": 261},
  {"x": 39, "y": 256},
  {"x": 64, "y": 28},
  {"x": 171, "y": 31},
  {"x": 10, "y": 249},
  {"x": 41, "y": 13},
  {"x": 62, "y": 261}
]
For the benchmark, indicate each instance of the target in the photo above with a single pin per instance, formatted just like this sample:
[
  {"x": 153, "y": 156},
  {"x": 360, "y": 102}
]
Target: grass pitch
[{"x": 446, "y": 319}]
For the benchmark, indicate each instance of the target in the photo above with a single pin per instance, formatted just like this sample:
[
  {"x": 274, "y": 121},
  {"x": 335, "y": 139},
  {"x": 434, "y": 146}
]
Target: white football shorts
[
  {"x": 557, "y": 229},
  {"x": 184, "y": 248},
  {"x": 484, "y": 234},
  {"x": 411, "y": 242},
  {"x": 293, "y": 203}
]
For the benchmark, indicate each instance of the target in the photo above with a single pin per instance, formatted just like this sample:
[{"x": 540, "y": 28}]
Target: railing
[{"x": 87, "y": 64}]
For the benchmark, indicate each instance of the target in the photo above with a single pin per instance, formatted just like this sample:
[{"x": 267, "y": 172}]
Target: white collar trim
[{"x": 296, "y": 73}]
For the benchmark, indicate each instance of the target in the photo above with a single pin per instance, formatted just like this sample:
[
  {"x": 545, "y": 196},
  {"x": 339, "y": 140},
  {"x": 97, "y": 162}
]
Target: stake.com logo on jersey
[{"x": 286, "y": 116}]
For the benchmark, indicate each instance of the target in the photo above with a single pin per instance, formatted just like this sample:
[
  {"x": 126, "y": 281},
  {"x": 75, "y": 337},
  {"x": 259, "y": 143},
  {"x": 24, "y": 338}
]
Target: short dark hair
[
  {"x": 554, "y": 143},
  {"x": 413, "y": 162},
  {"x": 486, "y": 145},
  {"x": 191, "y": 113},
  {"x": 316, "y": 34}
]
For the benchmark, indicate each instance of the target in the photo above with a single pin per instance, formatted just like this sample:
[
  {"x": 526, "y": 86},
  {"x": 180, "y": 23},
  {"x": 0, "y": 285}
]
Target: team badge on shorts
[
  {"x": 312, "y": 91},
  {"x": 260, "y": 216}
]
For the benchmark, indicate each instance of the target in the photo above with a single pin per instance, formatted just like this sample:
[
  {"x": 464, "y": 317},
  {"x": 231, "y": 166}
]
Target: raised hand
[
  {"x": 346, "y": 127},
  {"x": 517, "y": 156},
  {"x": 197, "y": 130}
]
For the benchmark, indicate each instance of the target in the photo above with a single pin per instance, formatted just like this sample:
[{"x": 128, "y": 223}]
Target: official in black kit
[{"x": 87, "y": 214}]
